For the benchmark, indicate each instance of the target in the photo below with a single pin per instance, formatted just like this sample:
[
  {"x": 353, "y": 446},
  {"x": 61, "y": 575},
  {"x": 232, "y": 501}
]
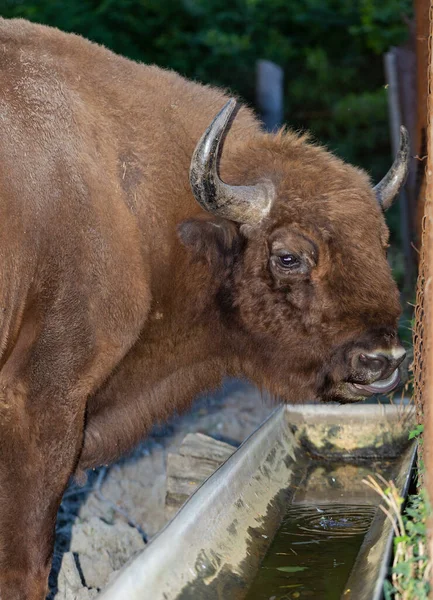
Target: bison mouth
[{"x": 380, "y": 386}]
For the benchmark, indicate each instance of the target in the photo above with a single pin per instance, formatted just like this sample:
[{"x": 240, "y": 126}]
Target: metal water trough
[{"x": 212, "y": 548}]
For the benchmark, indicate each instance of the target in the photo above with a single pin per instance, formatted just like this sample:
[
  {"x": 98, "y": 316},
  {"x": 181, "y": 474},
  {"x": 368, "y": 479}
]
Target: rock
[
  {"x": 112, "y": 577},
  {"x": 69, "y": 581},
  {"x": 69, "y": 576},
  {"x": 86, "y": 594},
  {"x": 138, "y": 488},
  {"x": 103, "y": 548}
]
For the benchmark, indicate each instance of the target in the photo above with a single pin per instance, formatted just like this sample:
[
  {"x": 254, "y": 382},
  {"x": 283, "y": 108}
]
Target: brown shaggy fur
[{"x": 120, "y": 299}]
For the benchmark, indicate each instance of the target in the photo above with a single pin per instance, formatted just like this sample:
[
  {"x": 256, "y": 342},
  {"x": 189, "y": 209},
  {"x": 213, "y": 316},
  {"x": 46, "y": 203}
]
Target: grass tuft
[{"x": 411, "y": 568}]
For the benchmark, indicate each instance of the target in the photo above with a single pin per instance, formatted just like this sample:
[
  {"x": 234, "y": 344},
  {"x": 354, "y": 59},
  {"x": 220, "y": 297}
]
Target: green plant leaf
[
  {"x": 291, "y": 569},
  {"x": 418, "y": 430}
]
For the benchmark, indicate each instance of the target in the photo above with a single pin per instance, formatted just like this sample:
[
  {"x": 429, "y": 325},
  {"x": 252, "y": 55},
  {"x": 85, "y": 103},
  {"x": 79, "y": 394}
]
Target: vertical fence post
[
  {"x": 269, "y": 93},
  {"x": 395, "y": 120},
  {"x": 420, "y": 138}
]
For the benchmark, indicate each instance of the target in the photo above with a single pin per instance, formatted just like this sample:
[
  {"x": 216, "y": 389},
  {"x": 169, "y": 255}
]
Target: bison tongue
[{"x": 381, "y": 386}]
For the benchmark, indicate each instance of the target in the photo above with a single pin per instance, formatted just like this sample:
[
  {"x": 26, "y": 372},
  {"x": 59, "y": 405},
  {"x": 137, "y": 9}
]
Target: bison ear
[{"x": 212, "y": 239}]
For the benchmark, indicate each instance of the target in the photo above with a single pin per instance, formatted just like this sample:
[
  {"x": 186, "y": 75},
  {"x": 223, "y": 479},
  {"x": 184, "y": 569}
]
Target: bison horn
[
  {"x": 244, "y": 204},
  {"x": 388, "y": 188}
]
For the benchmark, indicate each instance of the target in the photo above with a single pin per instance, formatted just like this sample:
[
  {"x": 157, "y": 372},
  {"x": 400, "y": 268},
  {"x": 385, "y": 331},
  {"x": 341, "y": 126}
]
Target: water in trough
[
  {"x": 314, "y": 550},
  {"x": 313, "y": 553}
]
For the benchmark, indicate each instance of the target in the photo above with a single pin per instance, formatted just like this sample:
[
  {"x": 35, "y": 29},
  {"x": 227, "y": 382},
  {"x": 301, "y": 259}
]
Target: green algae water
[{"x": 312, "y": 553}]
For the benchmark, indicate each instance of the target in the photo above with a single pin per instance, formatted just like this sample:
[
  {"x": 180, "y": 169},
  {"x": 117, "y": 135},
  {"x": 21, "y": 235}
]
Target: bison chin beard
[
  {"x": 342, "y": 394},
  {"x": 297, "y": 388}
]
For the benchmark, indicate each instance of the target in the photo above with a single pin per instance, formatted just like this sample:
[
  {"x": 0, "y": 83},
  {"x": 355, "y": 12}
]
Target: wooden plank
[
  {"x": 198, "y": 457},
  {"x": 200, "y": 445},
  {"x": 189, "y": 469}
]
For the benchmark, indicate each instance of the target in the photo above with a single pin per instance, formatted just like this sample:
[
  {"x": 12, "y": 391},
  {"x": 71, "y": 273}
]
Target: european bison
[{"x": 137, "y": 271}]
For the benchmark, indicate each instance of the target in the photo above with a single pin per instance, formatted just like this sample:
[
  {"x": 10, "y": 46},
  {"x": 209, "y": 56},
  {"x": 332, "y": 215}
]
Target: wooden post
[
  {"x": 423, "y": 339},
  {"x": 395, "y": 120},
  {"x": 428, "y": 291},
  {"x": 269, "y": 93},
  {"x": 406, "y": 70},
  {"x": 422, "y": 52}
]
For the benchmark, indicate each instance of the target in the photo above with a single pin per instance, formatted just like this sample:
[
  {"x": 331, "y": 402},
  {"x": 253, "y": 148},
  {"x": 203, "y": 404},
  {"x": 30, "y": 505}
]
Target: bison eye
[{"x": 288, "y": 261}]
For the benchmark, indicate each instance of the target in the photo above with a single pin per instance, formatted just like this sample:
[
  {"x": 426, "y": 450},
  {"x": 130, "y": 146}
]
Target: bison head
[{"x": 306, "y": 290}]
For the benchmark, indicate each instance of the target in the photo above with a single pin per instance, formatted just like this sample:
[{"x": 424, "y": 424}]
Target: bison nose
[{"x": 382, "y": 362}]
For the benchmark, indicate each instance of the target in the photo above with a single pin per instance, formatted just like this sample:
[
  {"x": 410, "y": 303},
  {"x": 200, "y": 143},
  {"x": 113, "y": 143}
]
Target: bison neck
[{"x": 177, "y": 356}]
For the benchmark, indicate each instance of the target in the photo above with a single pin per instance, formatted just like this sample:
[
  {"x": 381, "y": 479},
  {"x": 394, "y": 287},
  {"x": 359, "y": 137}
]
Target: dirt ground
[{"x": 105, "y": 522}]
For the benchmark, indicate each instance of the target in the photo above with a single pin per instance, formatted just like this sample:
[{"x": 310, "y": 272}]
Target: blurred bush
[{"x": 330, "y": 51}]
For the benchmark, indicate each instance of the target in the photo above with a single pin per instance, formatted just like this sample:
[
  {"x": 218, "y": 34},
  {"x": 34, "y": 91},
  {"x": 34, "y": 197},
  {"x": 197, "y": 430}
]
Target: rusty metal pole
[
  {"x": 424, "y": 328},
  {"x": 428, "y": 288}
]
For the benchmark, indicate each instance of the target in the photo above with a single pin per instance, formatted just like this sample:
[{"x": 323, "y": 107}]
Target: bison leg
[{"x": 40, "y": 440}]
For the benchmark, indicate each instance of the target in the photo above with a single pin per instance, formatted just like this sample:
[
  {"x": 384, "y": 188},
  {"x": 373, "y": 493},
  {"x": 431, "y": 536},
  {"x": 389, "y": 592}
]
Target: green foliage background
[{"x": 331, "y": 52}]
